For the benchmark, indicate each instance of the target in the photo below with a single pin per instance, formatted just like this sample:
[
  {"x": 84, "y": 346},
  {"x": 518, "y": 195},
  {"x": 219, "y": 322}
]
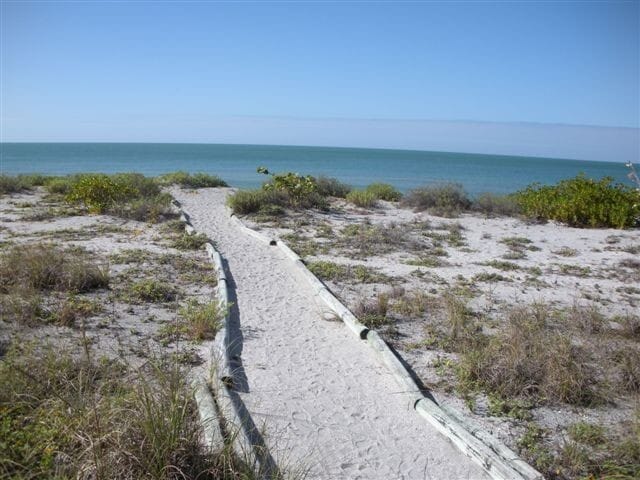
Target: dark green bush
[
  {"x": 447, "y": 199},
  {"x": 491, "y": 204},
  {"x": 9, "y": 184},
  {"x": 332, "y": 187},
  {"x": 188, "y": 180},
  {"x": 583, "y": 202}
]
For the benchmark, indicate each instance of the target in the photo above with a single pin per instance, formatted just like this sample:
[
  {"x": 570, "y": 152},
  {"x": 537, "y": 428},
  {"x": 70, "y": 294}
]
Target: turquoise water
[{"x": 406, "y": 169}]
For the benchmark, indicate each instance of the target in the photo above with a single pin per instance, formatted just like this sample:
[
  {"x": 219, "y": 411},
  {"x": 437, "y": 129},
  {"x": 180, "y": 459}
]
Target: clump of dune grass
[
  {"x": 244, "y": 202},
  {"x": 191, "y": 180},
  {"x": 373, "y": 313},
  {"x": 71, "y": 415},
  {"x": 368, "y": 198},
  {"x": 365, "y": 239},
  {"x": 48, "y": 267},
  {"x": 362, "y": 198},
  {"x": 447, "y": 200},
  {"x": 190, "y": 242},
  {"x": 384, "y": 191},
  {"x": 529, "y": 360},
  {"x": 201, "y": 321}
]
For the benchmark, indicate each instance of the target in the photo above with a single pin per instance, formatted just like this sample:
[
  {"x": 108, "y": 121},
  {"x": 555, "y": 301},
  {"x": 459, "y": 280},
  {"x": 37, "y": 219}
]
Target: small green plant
[
  {"x": 501, "y": 265},
  {"x": 429, "y": 261},
  {"x": 583, "y": 202},
  {"x": 190, "y": 242},
  {"x": 566, "y": 252},
  {"x": 201, "y": 321},
  {"x": 373, "y": 313},
  {"x": 152, "y": 291},
  {"x": 587, "y": 433},
  {"x": 328, "y": 270}
]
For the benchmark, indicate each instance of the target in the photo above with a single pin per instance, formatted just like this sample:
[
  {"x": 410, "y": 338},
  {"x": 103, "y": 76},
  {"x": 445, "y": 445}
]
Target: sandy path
[{"x": 325, "y": 402}]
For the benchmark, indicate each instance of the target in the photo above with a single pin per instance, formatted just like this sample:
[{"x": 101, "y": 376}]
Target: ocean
[{"x": 236, "y": 164}]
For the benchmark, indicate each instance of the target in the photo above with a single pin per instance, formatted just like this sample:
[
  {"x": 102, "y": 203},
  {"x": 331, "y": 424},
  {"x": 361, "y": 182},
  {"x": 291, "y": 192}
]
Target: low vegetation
[
  {"x": 48, "y": 267},
  {"x": 448, "y": 199},
  {"x": 583, "y": 202},
  {"x": 332, "y": 187},
  {"x": 368, "y": 198},
  {"x": 200, "y": 321},
  {"x": 19, "y": 183},
  {"x": 362, "y": 198},
  {"x": 68, "y": 414},
  {"x": 191, "y": 180}
]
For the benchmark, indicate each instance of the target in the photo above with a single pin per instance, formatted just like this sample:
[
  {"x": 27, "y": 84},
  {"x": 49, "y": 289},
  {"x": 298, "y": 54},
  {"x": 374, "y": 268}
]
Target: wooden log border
[
  {"x": 221, "y": 417},
  {"x": 499, "y": 461}
]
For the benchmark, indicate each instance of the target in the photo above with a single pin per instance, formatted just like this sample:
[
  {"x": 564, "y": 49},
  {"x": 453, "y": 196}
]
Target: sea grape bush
[
  {"x": 297, "y": 187},
  {"x": 583, "y": 202}
]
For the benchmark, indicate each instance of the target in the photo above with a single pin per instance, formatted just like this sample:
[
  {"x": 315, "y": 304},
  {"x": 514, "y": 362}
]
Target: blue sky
[{"x": 458, "y": 76}]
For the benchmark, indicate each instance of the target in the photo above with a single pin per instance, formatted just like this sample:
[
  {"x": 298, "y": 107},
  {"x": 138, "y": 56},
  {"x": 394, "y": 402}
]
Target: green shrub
[
  {"x": 297, "y": 187},
  {"x": 583, "y": 202},
  {"x": 99, "y": 192},
  {"x": 153, "y": 291},
  {"x": 332, "y": 187},
  {"x": 127, "y": 195},
  {"x": 448, "y": 199},
  {"x": 362, "y": 198},
  {"x": 188, "y": 180},
  {"x": 384, "y": 191}
]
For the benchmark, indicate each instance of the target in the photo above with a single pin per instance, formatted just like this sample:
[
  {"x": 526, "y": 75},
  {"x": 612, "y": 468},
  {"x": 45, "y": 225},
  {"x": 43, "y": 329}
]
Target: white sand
[{"x": 322, "y": 397}]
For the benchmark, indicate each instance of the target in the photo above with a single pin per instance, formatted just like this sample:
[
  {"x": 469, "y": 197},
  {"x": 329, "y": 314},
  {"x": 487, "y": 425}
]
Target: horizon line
[{"x": 308, "y": 146}]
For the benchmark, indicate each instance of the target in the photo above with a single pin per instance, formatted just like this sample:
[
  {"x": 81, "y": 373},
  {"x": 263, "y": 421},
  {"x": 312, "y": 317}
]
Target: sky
[{"x": 557, "y": 79}]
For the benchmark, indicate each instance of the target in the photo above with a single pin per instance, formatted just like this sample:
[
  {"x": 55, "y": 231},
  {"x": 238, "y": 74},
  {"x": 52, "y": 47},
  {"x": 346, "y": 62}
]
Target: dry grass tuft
[{"x": 48, "y": 267}]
